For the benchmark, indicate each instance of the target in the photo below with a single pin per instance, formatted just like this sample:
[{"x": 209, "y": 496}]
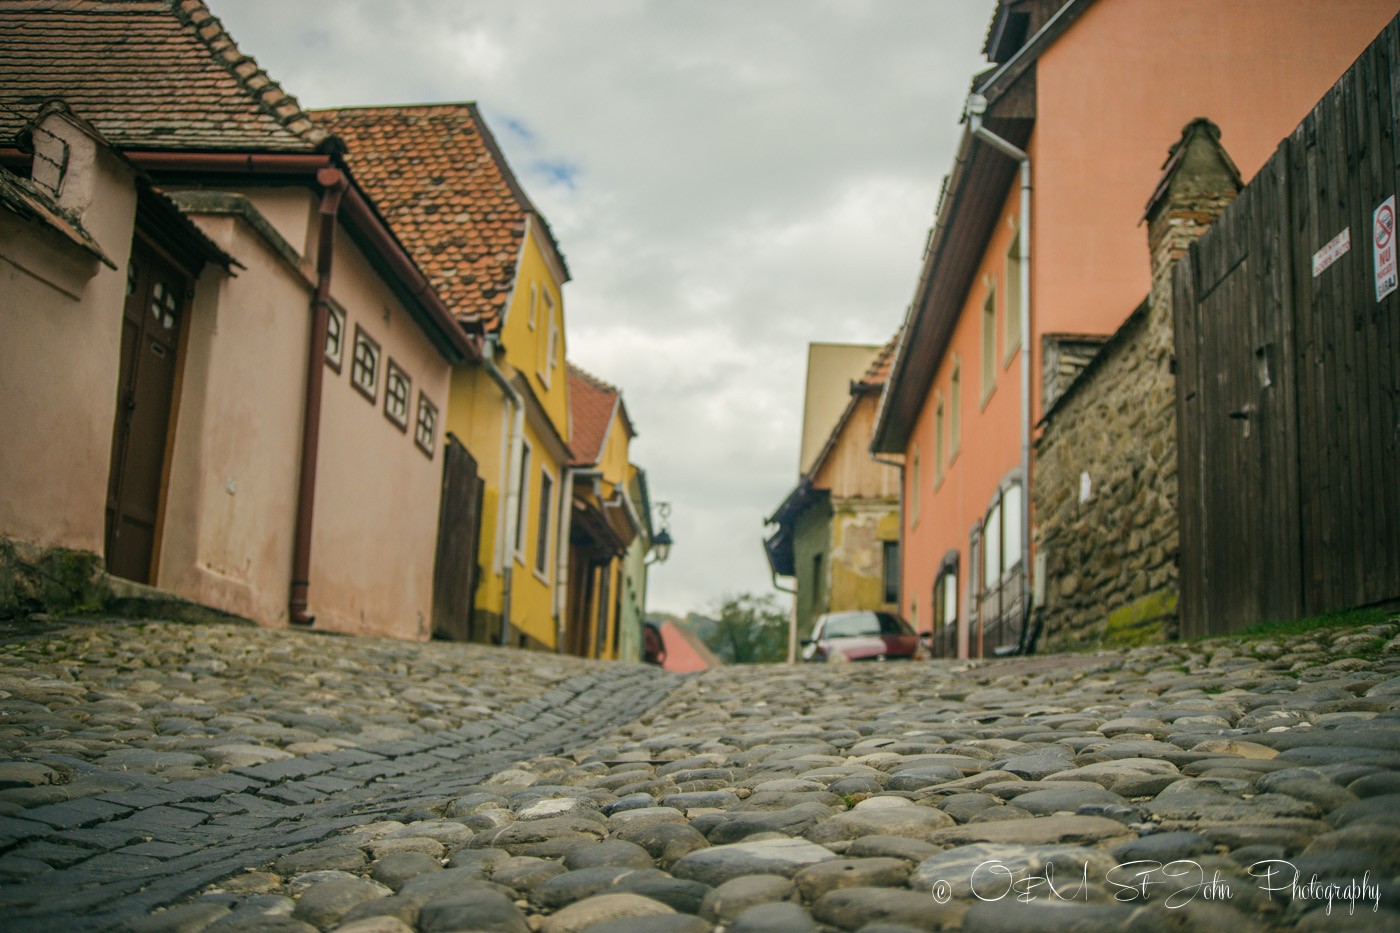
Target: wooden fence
[{"x": 1288, "y": 381}]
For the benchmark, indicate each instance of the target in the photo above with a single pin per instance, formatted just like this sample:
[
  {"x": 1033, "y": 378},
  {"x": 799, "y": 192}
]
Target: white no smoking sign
[{"x": 1383, "y": 247}]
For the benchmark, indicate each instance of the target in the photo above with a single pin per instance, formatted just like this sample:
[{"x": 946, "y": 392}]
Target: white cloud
[{"x": 728, "y": 179}]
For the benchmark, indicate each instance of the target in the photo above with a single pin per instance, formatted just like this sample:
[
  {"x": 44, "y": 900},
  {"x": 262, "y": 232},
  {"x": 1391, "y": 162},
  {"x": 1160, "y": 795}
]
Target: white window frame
[
  {"x": 544, "y": 532},
  {"x": 396, "y": 374},
  {"x": 531, "y": 317},
  {"x": 522, "y": 508},
  {"x": 955, "y": 409},
  {"x": 939, "y": 449},
  {"x": 335, "y": 331},
  {"x": 1011, "y": 327},
  {"x": 549, "y": 336},
  {"x": 989, "y": 343},
  {"x": 370, "y": 389},
  {"x": 425, "y": 426}
]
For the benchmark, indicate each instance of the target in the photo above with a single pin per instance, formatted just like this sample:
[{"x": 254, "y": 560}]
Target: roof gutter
[
  {"x": 452, "y": 341},
  {"x": 976, "y": 108},
  {"x": 334, "y": 184}
]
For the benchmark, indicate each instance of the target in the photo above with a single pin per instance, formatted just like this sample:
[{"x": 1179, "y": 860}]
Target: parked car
[{"x": 862, "y": 636}]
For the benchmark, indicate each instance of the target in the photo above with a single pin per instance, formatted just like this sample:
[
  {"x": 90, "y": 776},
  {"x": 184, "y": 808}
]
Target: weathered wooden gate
[
  {"x": 1288, "y": 378},
  {"x": 459, "y": 531}
]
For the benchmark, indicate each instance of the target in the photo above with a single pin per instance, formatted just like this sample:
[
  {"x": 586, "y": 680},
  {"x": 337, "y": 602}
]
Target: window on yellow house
[
  {"x": 522, "y": 510},
  {"x": 534, "y": 306},
  {"x": 543, "y": 529},
  {"x": 547, "y": 341}
]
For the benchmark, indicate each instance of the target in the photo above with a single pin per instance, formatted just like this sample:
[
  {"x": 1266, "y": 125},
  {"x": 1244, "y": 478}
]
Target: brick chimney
[{"x": 1199, "y": 180}]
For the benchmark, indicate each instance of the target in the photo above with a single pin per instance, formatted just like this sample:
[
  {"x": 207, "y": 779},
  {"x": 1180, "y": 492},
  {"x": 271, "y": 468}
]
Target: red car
[{"x": 862, "y": 636}]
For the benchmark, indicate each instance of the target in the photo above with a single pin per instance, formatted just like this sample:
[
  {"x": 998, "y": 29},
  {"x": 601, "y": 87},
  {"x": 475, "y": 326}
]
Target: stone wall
[
  {"x": 1105, "y": 495},
  {"x": 1105, "y": 478}
]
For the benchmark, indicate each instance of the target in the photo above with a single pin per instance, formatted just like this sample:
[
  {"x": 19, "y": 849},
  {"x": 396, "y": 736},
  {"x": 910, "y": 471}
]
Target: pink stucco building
[
  {"x": 1091, "y": 93},
  {"x": 222, "y": 374}
]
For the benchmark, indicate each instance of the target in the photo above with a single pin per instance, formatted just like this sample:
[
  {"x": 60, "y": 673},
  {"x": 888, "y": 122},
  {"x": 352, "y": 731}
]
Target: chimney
[{"x": 1199, "y": 180}]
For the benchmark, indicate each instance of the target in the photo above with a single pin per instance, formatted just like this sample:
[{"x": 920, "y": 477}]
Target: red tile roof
[
  {"x": 591, "y": 405},
  {"x": 879, "y": 370},
  {"x": 149, "y": 74},
  {"x": 440, "y": 180}
]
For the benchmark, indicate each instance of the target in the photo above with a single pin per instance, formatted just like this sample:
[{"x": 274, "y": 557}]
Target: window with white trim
[
  {"x": 335, "y": 338},
  {"x": 989, "y": 343},
  {"x": 891, "y": 571},
  {"x": 522, "y": 511},
  {"x": 398, "y": 389},
  {"x": 542, "y": 530},
  {"x": 425, "y": 430},
  {"x": 938, "y": 451},
  {"x": 534, "y": 305},
  {"x": 364, "y": 368},
  {"x": 1013, "y": 298},
  {"x": 955, "y": 409}
]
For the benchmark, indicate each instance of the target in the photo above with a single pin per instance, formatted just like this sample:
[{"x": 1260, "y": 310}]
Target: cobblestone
[{"x": 285, "y": 780}]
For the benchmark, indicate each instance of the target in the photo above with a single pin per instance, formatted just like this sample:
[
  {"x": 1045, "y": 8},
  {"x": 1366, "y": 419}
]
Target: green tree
[{"x": 749, "y": 630}]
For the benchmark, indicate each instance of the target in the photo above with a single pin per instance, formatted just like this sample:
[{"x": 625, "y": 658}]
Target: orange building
[{"x": 1068, "y": 127}]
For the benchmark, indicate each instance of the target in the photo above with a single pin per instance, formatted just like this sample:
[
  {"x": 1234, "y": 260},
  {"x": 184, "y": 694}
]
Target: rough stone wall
[{"x": 1109, "y": 559}]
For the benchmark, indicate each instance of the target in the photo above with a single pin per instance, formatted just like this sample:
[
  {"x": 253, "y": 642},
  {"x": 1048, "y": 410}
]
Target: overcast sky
[{"x": 729, "y": 181}]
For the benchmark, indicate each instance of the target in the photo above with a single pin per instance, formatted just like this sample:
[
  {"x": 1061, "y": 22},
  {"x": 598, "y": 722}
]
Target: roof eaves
[
  {"x": 266, "y": 93},
  {"x": 999, "y": 81},
  {"x": 21, "y": 199}
]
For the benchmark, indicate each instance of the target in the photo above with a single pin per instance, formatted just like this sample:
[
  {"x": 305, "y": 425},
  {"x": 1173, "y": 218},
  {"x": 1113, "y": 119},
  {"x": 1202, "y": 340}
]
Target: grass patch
[{"x": 1352, "y": 618}]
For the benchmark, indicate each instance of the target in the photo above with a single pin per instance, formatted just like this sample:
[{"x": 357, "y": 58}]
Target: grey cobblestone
[{"x": 848, "y": 779}]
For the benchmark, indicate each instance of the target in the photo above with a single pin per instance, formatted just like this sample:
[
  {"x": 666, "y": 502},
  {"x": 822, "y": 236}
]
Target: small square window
[
  {"x": 335, "y": 338},
  {"x": 397, "y": 390},
  {"x": 425, "y": 432},
  {"x": 364, "y": 371}
]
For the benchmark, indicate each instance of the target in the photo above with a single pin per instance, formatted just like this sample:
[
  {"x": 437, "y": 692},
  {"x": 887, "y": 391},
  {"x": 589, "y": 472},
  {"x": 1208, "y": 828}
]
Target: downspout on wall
[
  {"x": 334, "y": 184},
  {"x": 516, "y": 445},
  {"x": 561, "y": 558},
  {"x": 976, "y": 108}
]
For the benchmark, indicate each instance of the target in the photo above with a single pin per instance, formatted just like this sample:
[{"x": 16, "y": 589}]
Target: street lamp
[{"x": 661, "y": 542}]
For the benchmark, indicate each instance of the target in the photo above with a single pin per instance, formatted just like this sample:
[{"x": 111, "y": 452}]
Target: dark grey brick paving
[{"x": 94, "y": 863}]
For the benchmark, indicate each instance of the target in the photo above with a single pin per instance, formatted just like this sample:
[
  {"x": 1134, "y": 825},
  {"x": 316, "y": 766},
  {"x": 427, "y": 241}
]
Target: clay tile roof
[
  {"x": 441, "y": 182},
  {"x": 149, "y": 74},
  {"x": 591, "y": 405},
  {"x": 879, "y": 370}
]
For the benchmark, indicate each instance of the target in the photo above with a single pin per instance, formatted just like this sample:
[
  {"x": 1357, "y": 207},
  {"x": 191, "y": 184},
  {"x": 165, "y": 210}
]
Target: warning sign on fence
[{"x": 1383, "y": 246}]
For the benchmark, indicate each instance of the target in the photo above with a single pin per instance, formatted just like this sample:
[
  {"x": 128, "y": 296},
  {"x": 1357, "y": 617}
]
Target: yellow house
[
  {"x": 441, "y": 182},
  {"x": 603, "y": 520}
]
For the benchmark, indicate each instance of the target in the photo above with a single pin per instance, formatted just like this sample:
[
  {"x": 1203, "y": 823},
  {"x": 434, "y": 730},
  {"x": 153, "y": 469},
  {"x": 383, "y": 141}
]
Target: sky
[{"x": 729, "y": 181}]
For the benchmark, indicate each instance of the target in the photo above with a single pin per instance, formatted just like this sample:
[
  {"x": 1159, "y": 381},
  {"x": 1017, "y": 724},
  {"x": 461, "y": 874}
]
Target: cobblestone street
[{"x": 176, "y": 777}]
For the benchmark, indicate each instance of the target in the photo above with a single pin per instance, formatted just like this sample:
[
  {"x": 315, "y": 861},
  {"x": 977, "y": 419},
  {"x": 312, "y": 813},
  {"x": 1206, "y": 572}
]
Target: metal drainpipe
[
  {"x": 976, "y": 108},
  {"x": 515, "y": 445},
  {"x": 334, "y": 183}
]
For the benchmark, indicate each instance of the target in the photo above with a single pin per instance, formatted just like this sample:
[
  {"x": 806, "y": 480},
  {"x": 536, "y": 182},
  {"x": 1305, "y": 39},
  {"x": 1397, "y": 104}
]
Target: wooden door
[
  {"x": 151, "y": 321},
  {"x": 459, "y": 530}
]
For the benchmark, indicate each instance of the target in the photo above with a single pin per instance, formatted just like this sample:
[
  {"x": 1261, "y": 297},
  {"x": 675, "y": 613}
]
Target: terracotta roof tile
[
  {"x": 879, "y": 369},
  {"x": 591, "y": 405},
  {"x": 439, "y": 179},
  {"x": 149, "y": 74}
]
